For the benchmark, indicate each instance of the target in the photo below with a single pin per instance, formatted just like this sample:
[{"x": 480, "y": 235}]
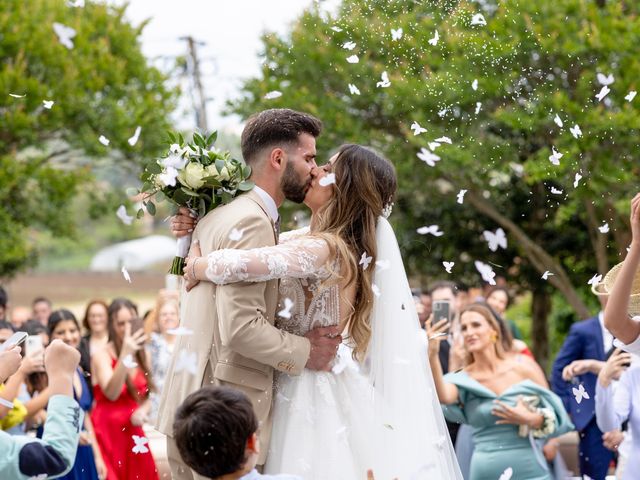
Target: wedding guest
[
  {"x": 502, "y": 399},
  {"x": 41, "y": 307},
  {"x": 614, "y": 403},
  {"x": 95, "y": 324},
  {"x": 122, "y": 382},
  {"x": 578, "y": 362},
  {"x": 26, "y": 458},
  {"x": 19, "y": 316},
  {"x": 618, "y": 314},
  {"x": 160, "y": 346},
  {"x": 230, "y": 450},
  {"x": 89, "y": 463}
]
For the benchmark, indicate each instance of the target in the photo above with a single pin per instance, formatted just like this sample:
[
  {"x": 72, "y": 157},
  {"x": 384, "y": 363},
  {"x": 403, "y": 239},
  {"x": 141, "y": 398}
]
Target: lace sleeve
[{"x": 303, "y": 257}]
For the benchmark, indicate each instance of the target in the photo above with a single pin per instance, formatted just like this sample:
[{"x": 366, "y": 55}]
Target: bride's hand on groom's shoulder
[
  {"x": 190, "y": 277},
  {"x": 183, "y": 222}
]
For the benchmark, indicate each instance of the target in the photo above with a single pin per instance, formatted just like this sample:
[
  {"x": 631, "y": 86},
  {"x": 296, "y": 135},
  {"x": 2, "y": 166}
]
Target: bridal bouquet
[{"x": 195, "y": 175}]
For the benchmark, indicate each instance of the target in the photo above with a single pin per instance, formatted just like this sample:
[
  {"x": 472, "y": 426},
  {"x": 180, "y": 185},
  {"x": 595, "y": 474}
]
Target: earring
[{"x": 494, "y": 337}]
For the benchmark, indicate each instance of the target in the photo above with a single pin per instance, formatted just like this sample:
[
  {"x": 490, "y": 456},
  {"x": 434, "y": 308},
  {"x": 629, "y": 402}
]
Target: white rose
[
  {"x": 212, "y": 171},
  {"x": 191, "y": 176},
  {"x": 224, "y": 174}
]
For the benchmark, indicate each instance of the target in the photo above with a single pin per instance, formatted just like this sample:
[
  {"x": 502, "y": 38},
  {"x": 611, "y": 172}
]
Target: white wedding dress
[{"x": 336, "y": 425}]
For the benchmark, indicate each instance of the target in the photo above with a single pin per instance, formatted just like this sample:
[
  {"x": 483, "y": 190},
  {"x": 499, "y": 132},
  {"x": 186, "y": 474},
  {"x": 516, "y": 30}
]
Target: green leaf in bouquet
[
  {"x": 212, "y": 182},
  {"x": 246, "y": 171},
  {"x": 189, "y": 192},
  {"x": 151, "y": 208},
  {"x": 245, "y": 186},
  {"x": 211, "y": 139},
  {"x": 154, "y": 167},
  {"x": 132, "y": 192},
  {"x": 181, "y": 138},
  {"x": 146, "y": 187},
  {"x": 202, "y": 208},
  {"x": 180, "y": 198},
  {"x": 160, "y": 197},
  {"x": 172, "y": 137},
  {"x": 226, "y": 197},
  {"x": 220, "y": 164},
  {"x": 140, "y": 213}
]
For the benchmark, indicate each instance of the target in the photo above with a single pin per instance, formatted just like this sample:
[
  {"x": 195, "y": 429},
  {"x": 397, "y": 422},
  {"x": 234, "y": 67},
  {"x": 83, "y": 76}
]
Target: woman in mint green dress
[{"x": 503, "y": 400}]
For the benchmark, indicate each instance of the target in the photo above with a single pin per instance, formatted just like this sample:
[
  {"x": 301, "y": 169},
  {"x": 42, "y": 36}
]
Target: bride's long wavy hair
[{"x": 365, "y": 184}]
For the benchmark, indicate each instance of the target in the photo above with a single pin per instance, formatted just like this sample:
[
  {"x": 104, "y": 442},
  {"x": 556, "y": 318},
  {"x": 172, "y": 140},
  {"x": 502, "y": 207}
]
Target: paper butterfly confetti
[
  {"x": 434, "y": 40},
  {"x": 134, "y": 139},
  {"x": 125, "y": 274},
  {"x": 577, "y": 179},
  {"x": 286, "y": 311},
  {"x": 448, "y": 266},
  {"x": 417, "y": 129},
  {"x": 104, "y": 140},
  {"x": 235, "y": 234},
  {"x": 180, "y": 331},
  {"x": 396, "y": 34},
  {"x": 603, "y": 93},
  {"x": 365, "y": 260},
  {"x": 384, "y": 83},
  {"x": 555, "y": 156},
  {"x": 507, "y": 474},
  {"x": 349, "y": 45},
  {"x": 478, "y": 107},
  {"x": 486, "y": 271},
  {"x": 140, "y": 444},
  {"x": 353, "y": 59},
  {"x": 596, "y": 279},
  {"x": 121, "y": 213},
  {"x": 375, "y": 289},
  {"x": 495, "y": 240},
  {"x": 605, "y": 79},
  {"x": 604, "y": 228},
  {"x": 47, "y": 104},
  {"x": 630, "y": 96},
  {"x": 460, "y": 196},
  {"x": 431, "y": 229},
  {"x": 474, "y": 84},
  {"x": 273, "y": 94},
  {"x": 580, "y": 393},
  {"x": 478, "y": 19},
  {"x": 353, "y": 90},
  {"x": 428, "y": 157},
  {"x": 65, "y": 34},
  {"x": 555, "y": 191},
  {"x": 546, "y": 275},
  {"x": 575, "y": 131},
  {"x": 327, "y": 180},
  {"x": 558, "y": 120},
  {"x": 15, "y": 95}
]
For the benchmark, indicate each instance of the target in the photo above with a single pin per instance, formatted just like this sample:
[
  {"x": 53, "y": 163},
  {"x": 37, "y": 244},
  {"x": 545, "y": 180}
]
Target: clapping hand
[{"x": 132, "y": 342}]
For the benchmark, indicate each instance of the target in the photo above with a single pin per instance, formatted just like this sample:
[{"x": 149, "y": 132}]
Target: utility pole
[{"x": 198, "y": 97}]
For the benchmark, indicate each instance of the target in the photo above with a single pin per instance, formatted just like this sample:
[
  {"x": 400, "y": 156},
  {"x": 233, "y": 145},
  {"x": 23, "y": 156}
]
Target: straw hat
[{"x": 606, "y": 285}]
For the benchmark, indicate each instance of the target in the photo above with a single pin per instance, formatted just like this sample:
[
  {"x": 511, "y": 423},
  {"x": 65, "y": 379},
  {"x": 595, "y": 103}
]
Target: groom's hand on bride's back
[
  {"x": 183, "y": 222},
  {"x": 324, "y": 345}
]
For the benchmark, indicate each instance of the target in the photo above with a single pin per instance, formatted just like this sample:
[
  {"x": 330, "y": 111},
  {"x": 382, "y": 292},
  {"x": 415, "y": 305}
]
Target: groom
[{"x": 234, "y": 339}]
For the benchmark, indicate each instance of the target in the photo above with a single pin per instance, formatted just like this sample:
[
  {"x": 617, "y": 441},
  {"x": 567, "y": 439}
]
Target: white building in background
[{"x": 136, "y": 255}]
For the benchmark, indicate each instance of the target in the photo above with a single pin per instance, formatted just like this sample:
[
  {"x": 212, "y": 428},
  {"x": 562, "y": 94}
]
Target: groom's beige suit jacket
[{"x": 234, "y": 338}]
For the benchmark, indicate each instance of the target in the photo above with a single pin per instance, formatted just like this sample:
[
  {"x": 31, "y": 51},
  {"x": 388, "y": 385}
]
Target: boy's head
[{"x": 215, "y": 431}]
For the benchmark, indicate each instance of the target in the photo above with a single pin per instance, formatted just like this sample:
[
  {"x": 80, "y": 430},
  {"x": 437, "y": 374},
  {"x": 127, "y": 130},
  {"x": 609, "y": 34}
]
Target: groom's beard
[{"x": 292, "y": 187}]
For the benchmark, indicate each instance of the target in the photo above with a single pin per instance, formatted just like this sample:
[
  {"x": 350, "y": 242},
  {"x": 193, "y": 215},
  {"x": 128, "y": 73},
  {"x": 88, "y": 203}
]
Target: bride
[{"x": 377, "y": 408}]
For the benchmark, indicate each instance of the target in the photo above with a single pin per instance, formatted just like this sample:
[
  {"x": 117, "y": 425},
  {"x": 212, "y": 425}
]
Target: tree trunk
[
  {"x": 540, "y": 309},
  {"x": 538, "y": 257},
  {"x": 598, "y": 240}
]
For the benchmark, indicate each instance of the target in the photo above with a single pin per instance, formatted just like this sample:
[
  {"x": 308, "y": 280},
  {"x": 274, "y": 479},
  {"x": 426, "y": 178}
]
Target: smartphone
[
  {"x": 34, "y": 344},
  {"x": 441, "y": 309},
  {"x": 15, "y": 339}
]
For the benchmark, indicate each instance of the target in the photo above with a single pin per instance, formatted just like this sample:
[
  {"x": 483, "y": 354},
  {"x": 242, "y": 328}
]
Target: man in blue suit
[{"x": 578, "y": 363}]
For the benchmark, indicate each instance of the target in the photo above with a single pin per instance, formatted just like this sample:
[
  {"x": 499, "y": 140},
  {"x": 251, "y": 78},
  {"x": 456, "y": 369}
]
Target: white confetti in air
[
  {"x": 104, "y": 140},
  {"x": 580, "y": 394},
  {"x": 136, "y": 135},
  {"x": 140, "y": 444},
  {"x": 384, "y": 80},
  {"x": 235, "y": 234},
  {"x": 495, "y": 240},
  {"x": 335, "y": 28},
  {"x": 474, "y": 84},
  {"x": 273, "y": 94},
  {"x": 605, "y": 79},
  {"x": 595, "y": 280},
  {"x": 353, "y": 90},
  {"x": 375, "y": 290},
  {"x": 129, "y": 362},
  {"x": 630, "y": 96},
  {"x": 327, "y": 180},
  {"x": 349, "y": 45},
  {"x": 604, "y": 228},
  {"x": 444, "y": 140},
  {"x": 125, "y": 274},
  {"x": 575, "y": 131},
  {"x": 507, "y": 474},
  {"x": 187, "y": 361},
  {"x": 433, "y": 145},
  {"x": 353, "y": 59},
  {"x": 47, "y": 104},
  {"x": 365, "y": 260},
  {"x": 121, "y": 213},
  {"x": 555, "y": 156},
  {"x": 576, "y": 180},
  {"x": 396, "y": 34},
  {"x": 427, "y": 157},
  {"x": 478, "y": 19},
  {"x": 417, "y": 129},
  {"x": 286, "y": 311},
  {"x": 431, "y": 230},
  {"x": 486, "y": 271},
  {"x": 65, "y": 34},
  {"x": 546, "y": 275},
  {"x": 383, "y": 265},
  {"x": 15, "y": 95},
  {"x": 434, "y": 40},
  {"x": 168, "y": 178},
  {"x": 180, "y": 331},
  {"x": 558, "y": 120},
  {"x": 460, "y": 196},
  {"x": 76, "y": 3},
  {"x": 555, "y": 191},
  {"x": 478, "y": 107},
  {"x": 603, "y": 93},
  {"x": 448, "y": 266}
]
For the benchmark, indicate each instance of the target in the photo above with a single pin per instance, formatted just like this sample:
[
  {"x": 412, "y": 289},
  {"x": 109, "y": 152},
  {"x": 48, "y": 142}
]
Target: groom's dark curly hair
[
  {"x": 211, "y": 429},
  {"x": 275, "y": 127}
]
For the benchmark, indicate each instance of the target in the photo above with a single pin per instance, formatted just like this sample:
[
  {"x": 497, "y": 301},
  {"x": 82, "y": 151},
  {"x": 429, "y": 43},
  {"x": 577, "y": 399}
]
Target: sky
[{"x": 231, "y": 33}]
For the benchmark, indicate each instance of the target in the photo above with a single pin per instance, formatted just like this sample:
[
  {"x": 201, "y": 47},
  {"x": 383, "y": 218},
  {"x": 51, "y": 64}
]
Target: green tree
[
  {"x": 532, "y": 61},
  {"x": 101, "y": 86}
]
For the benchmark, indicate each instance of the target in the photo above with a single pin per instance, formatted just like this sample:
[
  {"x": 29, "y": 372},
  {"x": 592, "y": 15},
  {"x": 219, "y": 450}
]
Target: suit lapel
[
  {"x": 256, "y": 198},
  {"x": 600, "y": 340}
]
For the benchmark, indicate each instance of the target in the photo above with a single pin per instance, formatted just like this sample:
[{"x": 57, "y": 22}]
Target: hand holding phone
[
  {"x": 441, "y": 310},
  {"x": 15, "y": 339}
]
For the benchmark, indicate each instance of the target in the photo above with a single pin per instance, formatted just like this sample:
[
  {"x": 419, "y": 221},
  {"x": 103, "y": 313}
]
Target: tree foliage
[
  {"x": 103, "y": 85},
  {"x": 532, "y": 60}
]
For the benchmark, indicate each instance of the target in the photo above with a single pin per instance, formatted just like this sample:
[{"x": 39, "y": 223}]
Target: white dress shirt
[{"x": 269, "y": 203}]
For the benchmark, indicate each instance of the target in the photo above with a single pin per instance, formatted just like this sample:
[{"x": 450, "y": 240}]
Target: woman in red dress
[{"x": 122, "y": 381}]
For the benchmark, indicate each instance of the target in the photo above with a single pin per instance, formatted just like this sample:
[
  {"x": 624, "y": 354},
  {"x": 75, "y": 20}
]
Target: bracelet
[{"x": 193, "y": 267}]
